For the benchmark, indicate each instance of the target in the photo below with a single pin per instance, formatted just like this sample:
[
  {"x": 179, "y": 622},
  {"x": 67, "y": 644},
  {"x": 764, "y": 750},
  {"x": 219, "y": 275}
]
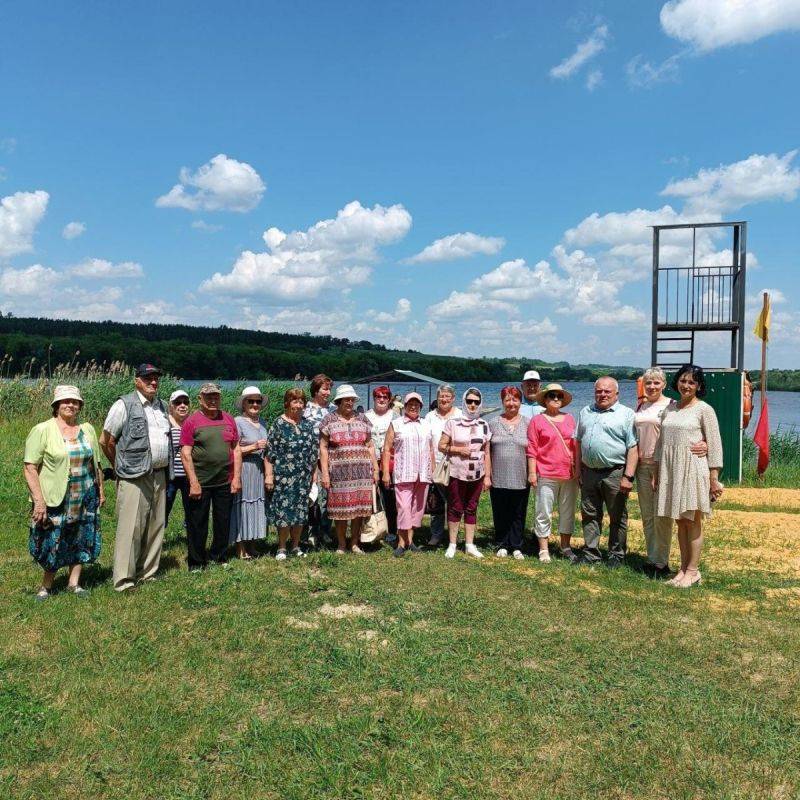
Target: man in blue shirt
[
  {"x": 530, "y": 388},
  {"x": 606, "y": 451}
]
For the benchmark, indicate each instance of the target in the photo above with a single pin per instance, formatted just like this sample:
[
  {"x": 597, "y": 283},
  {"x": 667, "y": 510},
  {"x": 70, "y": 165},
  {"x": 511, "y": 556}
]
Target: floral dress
[
  {"x": 70, "y": 533},
  {"x": 293, "y": 451},
  {"x": 349, "y": 466}
]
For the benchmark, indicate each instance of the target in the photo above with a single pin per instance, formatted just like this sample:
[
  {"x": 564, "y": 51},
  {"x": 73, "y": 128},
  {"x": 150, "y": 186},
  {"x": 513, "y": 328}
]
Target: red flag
[{"x": 761, "y": 439}]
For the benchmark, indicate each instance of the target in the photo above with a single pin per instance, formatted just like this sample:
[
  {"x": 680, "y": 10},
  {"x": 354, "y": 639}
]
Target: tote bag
[
  {"x": 376, "y": 526},
  {"x": 441, "y": 475}
]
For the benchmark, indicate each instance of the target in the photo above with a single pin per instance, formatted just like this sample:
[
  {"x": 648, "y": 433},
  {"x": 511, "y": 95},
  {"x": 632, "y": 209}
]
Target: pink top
[
  {"x": 554, "y": 453},
  {"x": 474, "y": 433},
  {"x": 648, "y": 427},
  {"x": 412, "y": 450}
]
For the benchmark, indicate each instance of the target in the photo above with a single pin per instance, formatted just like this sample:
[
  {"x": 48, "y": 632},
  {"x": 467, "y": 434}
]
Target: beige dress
[{"x": 684, "y": 480}]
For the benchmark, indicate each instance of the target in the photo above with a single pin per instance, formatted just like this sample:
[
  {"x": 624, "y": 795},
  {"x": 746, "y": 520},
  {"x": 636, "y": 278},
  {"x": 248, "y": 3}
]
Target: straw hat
[
  {"x": 248, "y": 391},
  {"x": 553, "y": 387},
  {"x": 344, "y": 391},
  {"x": 65, "y": 392}
]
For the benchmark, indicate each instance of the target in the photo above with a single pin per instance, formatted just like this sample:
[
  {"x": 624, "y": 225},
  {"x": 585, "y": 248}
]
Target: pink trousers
[{"x": 410, "y": 498}]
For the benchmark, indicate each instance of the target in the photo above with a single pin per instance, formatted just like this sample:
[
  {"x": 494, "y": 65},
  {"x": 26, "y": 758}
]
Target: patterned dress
[
  {"x": 684, "y": 481},
  {"x": 349, "y": 466},
  {"x": 71, "y": 532},
  {"x": 248, "y": 514},
  {"x": 293, "y": 451}
]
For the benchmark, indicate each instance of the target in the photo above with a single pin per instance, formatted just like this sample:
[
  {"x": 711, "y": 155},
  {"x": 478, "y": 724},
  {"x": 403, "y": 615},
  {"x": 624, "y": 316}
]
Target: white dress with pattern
[{"x": 684, "y": 481}]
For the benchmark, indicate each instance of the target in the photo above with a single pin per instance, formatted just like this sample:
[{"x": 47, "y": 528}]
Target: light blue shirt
[
  {"x": 529, "y": 410},
  {"x": 605, "y": 436}
]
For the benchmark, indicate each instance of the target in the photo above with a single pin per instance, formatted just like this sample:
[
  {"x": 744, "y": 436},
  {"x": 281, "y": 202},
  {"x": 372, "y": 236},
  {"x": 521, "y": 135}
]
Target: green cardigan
[{"x": 45, "y": 447}]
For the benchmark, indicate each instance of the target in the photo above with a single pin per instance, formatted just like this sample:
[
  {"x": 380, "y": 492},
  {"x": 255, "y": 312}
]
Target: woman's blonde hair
[{"x": 655, "y": 373}]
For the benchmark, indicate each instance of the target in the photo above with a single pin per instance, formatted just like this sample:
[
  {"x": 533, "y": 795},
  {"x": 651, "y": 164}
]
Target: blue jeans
[{"x": 174, "y": 486}]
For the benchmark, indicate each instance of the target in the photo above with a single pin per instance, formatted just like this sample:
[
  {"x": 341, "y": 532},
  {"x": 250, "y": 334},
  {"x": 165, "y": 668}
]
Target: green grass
[{"x": 451, "y": 679}]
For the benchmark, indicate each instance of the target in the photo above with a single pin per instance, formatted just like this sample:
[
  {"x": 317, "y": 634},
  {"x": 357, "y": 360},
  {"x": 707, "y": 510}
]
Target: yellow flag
[{"x": 761, "y": 328}]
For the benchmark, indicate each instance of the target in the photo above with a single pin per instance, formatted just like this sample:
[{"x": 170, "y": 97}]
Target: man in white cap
[
  {"x": 136, "y": 441},
  {"x": 530, "y": 388}
]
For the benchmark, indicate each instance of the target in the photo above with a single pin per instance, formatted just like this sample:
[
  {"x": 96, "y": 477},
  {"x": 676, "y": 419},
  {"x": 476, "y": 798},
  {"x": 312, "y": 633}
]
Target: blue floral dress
[
  {"x": 70, "y": 534},
  {"x": 293, "y": 451}
]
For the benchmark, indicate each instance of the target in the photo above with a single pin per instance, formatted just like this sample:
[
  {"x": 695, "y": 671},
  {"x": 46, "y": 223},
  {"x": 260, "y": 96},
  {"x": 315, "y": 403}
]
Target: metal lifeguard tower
[{"x": 695, "y": 297}]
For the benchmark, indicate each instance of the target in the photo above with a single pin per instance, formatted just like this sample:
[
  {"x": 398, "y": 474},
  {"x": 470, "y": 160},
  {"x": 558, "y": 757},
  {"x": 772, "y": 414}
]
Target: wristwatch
[{"x": 628, "y": 477}]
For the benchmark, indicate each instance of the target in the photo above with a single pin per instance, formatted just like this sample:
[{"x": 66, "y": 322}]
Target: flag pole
[{"x": 764, "y": 357}]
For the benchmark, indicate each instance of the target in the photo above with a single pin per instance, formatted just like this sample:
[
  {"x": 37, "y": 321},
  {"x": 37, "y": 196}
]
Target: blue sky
[{"x": 463, "y": 178}]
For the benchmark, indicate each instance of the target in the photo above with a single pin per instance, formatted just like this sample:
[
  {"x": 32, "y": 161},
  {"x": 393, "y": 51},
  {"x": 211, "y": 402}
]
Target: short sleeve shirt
[
  {"x": 474, "y": 433},
  {"x": 212, "y": 442},
  {"x": 158, "y": 428},
  {"x": 605, "y": 436}
]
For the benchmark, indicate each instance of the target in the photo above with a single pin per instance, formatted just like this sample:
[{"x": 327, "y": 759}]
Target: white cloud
[
  {"x": 401, "y": 312},
  {"x": 100, "y": 269},
  {"x": 27, "y": 282},
  {"x": 332, "y": 254},
  {"x": 72, "y": 230},
  {"x": 222, "y": 184},
  {"x": 458, "y": 245},
  {"x": 20, "y": 213},
  {"x": 461, "y": 305},
  {"x": 585, "y": 51},
  {"x": 516, "y": 281},
  {"x": 335, "y": 322},
  {"x": 594, "y": 79},
  {"x": 205, "y": 227},
  {"x": 709, "y": 24},
  {"x": 643, "y": 74},
  {"x": 618, "y": 228},
  {"x": 731, "y": 186}
]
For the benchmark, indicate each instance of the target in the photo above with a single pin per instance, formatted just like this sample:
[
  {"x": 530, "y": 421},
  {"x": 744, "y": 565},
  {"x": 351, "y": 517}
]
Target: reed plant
[{"x": 784, "y": 460}]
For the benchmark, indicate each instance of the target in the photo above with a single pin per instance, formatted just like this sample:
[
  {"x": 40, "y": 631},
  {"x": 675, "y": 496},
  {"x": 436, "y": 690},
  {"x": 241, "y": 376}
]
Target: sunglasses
[
  {"x": 554, "y": 396},
  {"x": 254, "y": 402},
  {"x": 471, "y": 402},
  {"x": 181, "y": 402}
]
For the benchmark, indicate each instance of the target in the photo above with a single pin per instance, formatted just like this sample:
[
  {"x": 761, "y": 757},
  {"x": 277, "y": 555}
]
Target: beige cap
[{"x": 65, "y": 392}]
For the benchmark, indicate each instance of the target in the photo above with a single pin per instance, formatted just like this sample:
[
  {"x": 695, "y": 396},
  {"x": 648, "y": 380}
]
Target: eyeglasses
[
  {"x": 554, "y": 396},
  {"x": 472, "y": 402}
]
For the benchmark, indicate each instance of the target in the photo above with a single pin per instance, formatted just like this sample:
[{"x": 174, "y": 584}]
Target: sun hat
[
  {"x": 412, "y": 396},
  {"x": 210, "y": 388},
  {"x": 248, "y": 391},
  {"x": 531, "y": 375},
  {"x": 178, "y": 393},
  {"x": 66, "y": 392},
  {"x": 344, "y": 391},
  {"x": 147, "y": 369},
  {"x": 553, "y": 387}
]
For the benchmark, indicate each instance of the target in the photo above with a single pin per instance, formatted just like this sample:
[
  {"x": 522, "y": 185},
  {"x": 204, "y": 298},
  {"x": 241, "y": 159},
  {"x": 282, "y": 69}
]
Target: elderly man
[
  {"x": 606, "y": 451},
  {"x": 136, "y": 441},
  {"x": 530, "y": 388},
  {"x": 212, "y": 460}
]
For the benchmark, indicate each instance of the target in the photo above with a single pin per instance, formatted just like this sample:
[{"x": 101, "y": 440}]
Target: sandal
[
  {"x": 78, "y": 591},
  {"x": 42, "y": 595},
  {"x": 355, "y": 549}
]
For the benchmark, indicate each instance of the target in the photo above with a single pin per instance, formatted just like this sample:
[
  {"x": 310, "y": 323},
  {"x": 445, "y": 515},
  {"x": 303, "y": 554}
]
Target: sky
[{"x": 461, "y": 178}]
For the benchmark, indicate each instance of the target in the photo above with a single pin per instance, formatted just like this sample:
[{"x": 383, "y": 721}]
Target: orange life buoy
[
  {"x": 640, "y": 388},
  {"x": 747, "y": 401}
]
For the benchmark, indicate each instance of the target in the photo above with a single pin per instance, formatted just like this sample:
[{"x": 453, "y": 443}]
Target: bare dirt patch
[
  {"x": 345, "y": 611},
  {"x": 301, "y": 624},
  {"x": 755, "y": 498}
]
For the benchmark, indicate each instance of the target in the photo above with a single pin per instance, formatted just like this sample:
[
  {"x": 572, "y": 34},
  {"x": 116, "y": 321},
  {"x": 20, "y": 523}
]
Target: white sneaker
[
  {"x": 280, "y": 555},
  {"x": 473, "y": 551},
  {"x": 518, "y": 555},
  {"x": 544, "y": 556},
  {"x": 450, "y": 552},
  {"x": 502, "y": 553}
]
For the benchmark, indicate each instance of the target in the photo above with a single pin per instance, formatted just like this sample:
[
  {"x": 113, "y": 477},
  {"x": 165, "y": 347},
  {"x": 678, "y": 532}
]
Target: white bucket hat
[
  {"x": 344, "y": 391},
  {"x": 65, "y": 392},
  {"x": 248, "y": 391}
]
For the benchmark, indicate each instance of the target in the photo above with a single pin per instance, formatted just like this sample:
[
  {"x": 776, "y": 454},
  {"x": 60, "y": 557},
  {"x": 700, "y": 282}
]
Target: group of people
[{"x": 324, "y": 467}]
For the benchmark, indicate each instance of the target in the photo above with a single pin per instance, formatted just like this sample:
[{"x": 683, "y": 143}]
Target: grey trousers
[{"x": 599, "y": 488}]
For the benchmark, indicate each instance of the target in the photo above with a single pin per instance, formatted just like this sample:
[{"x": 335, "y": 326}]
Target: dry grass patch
[
  {"x": 345, "y": 611},
  {"x": 756, "y": 498}
]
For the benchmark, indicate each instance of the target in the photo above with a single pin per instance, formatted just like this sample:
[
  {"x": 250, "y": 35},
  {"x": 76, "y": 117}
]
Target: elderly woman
[
  {"x": 318, "y": 407},
  {"x": 409, "y": 440},
  {"x": 178, "y": 411},
  {"x": 65, "y": 482},
  {"x": 465, "y": 441},
  {"x": 381, "y": 415},
  {"x": 291, "y": 459},
  {"x": 248, "y": 512},
  {"x": 348, "y": 466},
  {"x": 510, "y": 491},
  {"x": 657, "y": 530},
  {"x": 436, "y": 419},
  {"x": 687, "y": 484},
  {"x": 552, "y": 468}
]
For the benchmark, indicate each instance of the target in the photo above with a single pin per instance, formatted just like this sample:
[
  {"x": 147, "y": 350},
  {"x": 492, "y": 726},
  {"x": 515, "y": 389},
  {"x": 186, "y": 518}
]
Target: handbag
[
  {"x": 376, "y": 526},
  {"x": 435, "y": 503},
  {"x": 441, "y": 475}
]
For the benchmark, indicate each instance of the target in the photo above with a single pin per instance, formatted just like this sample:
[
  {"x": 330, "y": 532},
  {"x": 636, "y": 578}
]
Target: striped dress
[
  {"x": 248, "y": 514},
  {"x": 349, "y": 466}
]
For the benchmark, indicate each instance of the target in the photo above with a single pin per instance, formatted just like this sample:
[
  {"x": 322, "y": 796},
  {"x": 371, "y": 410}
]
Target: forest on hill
[{"x": 229, "y": 353}]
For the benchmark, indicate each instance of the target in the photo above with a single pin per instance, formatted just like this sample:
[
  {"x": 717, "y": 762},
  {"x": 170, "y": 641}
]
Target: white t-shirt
[
  {"x": 380, "y": 424},
  {"x": 436, "y": 422}
]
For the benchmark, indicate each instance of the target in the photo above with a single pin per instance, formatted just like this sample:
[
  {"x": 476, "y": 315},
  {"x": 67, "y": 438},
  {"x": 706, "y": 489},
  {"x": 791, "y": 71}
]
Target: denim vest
[{"x": 134, "y": 457}]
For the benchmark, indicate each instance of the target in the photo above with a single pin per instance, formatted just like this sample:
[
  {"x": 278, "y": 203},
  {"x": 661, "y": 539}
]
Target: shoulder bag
[{"x": 376, "y": 526}]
